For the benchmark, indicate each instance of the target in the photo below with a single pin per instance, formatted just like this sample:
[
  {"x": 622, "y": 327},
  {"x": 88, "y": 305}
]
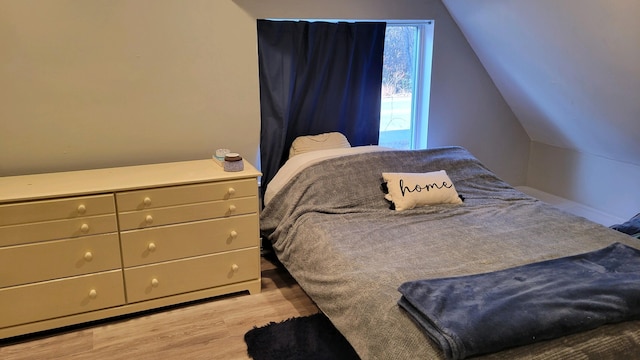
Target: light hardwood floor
[{"x": 211, "y": 329}]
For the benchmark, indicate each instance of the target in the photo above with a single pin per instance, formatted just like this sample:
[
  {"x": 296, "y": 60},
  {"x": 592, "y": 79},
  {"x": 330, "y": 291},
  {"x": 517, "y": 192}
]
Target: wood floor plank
[{"x": 211, "y": 329}]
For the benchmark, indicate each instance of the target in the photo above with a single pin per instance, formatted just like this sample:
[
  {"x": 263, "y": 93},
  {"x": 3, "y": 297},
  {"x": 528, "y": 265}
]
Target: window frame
[{"x": 422, "y": 80}]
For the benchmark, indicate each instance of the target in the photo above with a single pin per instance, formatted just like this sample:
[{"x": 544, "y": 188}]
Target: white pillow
[
  {"x": 410, "y": 190},
  {"x": 303, "y": 161},
  {"x": 332, "y": 140}
]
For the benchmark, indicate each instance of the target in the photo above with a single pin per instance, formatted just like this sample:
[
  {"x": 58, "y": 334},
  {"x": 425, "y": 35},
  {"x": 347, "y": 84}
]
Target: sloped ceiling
[{"x": 569, "y": 69}]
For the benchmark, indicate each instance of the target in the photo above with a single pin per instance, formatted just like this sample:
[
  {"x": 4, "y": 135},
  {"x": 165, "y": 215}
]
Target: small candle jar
[
  {"x": 220, "y": 154},
  {"x": 233, "y": 162}
]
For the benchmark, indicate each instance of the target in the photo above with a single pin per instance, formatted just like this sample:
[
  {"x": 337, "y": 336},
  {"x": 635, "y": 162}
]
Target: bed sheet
[{"x": 332, "y": 228}]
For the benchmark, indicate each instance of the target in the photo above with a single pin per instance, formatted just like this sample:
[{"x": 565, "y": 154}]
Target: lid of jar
[{"x": 232, "y": 157}]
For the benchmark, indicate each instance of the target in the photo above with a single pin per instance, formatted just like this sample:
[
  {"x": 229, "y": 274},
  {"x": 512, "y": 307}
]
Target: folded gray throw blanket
[{"x": 485, "y": 313}]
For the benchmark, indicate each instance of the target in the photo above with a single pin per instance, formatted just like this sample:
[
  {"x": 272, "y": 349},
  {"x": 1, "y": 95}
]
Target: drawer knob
[
  {"x": 88, "y": 256},
  {"x": 82, "y": 209},
  {"x": 232, "y": 208},
  {"x": 231, "y": 191},
  {"x": 147, "y": 201},
  {"x": 151, "y": 247},
  {"x": 84, "y": 228},
  {"x": 233, "y": 234},
  {"x": 149, "y": 219},
  {"x": 93, "y": 294},
  {"x": 155, "y": 282},
  {"x": 235, "y": 267}
]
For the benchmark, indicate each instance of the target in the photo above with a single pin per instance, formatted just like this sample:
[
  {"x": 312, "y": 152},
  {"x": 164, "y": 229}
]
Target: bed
[{"x": 350, "y": 248}]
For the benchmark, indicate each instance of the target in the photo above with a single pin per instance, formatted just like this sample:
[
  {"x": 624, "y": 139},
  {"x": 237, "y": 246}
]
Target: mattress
[{"x": 333, "y": 229}]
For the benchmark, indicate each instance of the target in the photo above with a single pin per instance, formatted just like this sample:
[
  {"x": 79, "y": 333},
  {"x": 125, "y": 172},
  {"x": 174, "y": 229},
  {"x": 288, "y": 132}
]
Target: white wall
[
  {"x": 570, "y": 70},
  {"x": 604, "y": 184},
  {"x": 95, "y": 83}
]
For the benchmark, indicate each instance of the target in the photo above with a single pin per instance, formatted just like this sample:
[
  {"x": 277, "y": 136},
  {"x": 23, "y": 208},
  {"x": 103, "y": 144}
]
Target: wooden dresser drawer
[
  {"x": 49, "y": 260},
  {"x": 183, "y": 213},
  {"x": 184, "y": 230},
  {"x": 57, "y": 209},
  {"x": 46, "y": 300},
  {"x": 181, "y": 276},
  {"x": 185, "y": 194},
  {"x": 163, "y": 243},
  {"x": 58, "y": 229}
]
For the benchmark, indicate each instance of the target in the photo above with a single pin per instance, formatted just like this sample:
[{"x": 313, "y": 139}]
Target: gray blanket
[
  {"x": 483, "y": 313},
  {"x": 333, "y": 230}
]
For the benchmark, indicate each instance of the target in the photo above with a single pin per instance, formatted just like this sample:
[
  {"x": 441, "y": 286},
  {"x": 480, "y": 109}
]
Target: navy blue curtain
[{"x": 317, "y": 77}]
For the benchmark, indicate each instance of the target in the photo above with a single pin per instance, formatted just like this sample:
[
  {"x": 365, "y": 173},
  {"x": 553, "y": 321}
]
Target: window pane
[
  {"x": 398, "y": 83},
  {"x": 395, "y": 121}
]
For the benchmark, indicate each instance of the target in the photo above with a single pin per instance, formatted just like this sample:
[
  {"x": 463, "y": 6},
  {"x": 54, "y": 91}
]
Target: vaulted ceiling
[{"x": 569, "y": 69}]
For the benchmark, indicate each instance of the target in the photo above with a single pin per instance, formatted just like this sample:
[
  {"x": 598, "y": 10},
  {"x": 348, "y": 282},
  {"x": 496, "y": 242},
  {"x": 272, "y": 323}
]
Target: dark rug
[{"x": 310, "y": 337}]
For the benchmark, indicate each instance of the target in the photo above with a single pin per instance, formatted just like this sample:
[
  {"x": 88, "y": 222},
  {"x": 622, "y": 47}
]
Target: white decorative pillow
[
  {"x": 332, "y": 140},
  {"x": 410, "y": 190}
]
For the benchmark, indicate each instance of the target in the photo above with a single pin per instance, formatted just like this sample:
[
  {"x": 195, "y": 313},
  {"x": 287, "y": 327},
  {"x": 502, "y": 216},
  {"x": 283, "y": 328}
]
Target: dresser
[{"x": 86, "y": 245}]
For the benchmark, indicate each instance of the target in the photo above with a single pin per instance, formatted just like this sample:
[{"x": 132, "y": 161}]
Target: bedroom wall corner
[
  {"x": 607, "y": 185},
  {"x": 468, "y": 109}
]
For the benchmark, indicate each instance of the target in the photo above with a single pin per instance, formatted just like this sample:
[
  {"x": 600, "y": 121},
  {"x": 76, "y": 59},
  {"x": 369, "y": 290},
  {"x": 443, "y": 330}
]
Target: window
[{"x": 406, "y": 80}]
